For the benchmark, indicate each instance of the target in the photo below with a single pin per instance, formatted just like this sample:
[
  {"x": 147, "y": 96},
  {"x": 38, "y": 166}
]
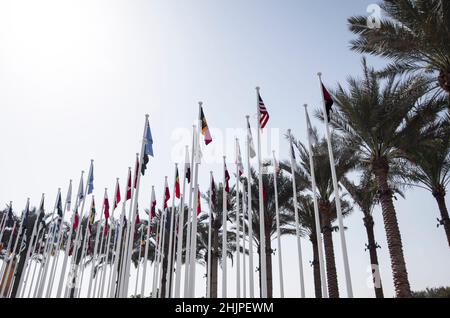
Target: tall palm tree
[
  {"x": 414, "y": 34},
  {"x": 345, "y": 161},
  {"x": 382, "y": 121},
  {"x": 431, "y": 169}
]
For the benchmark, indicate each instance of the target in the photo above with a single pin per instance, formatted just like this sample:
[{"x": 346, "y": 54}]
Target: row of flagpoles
[{"x": 117, "y": 237}]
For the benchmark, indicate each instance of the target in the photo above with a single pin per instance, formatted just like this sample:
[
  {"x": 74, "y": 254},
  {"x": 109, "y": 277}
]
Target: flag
[
  {"x": 91, "y": 215},
  {"x": 117, "y": 197},
  {"x": 106, "y": 212},
  {"x": 166, "y": 195},
  {"x": 81, "y": 189},
  {"x": 328, "y": 101},
  {"x": 91, "y": 179},
  {"x": 213, "y": 193},
  {"x": 69, "y": 196},
  {"x": 263, "y": 113},
  {"x": 10, "y": 213},
  {"x": 227, "y": 179},
  {"x": 311, "y": 135},
  {"x": 76, "y": 220},
  {"x": 25, "y": 218},
  {"x": 138, "y": 219},
  {"x": 59, "y": 207},
  {"x": 187, "y": 168},
  {"x": 239, "y": 160},
  {"x": 251, "y": 145},
  {"x": 177, "y": 185},
  {"x": 198, "y": 149},
  {"x": 128, "y": 197},
  {"x": 153, "y": 205},
  {"x": 205, "y": 129},
  {"x": 199, "y": 207},
  {"x": 148, "y": 151},
  {"x": 136, "y": 172}
]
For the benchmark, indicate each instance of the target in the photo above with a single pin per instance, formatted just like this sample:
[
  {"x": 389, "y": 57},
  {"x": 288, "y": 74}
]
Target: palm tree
[
  {"x": 431, "y": 169},
  {"x": 345, "y": 161},
  {"x": 382, "y": 122},
  {"x": 286, "y": 213},
  {"x": 415, "y": 35}
]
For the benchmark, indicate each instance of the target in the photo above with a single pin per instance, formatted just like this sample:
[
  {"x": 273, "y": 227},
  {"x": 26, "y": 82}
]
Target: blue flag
[
  {"x": 91, "y": 179},
  {"x": 148, "y": 148}
]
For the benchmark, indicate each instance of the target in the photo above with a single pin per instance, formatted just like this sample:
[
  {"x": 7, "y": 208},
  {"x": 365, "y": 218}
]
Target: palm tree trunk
[
  {"x": 316, "y": 266},
  {"x": 372, "y": 247},
  {"x": 333, "y": 287},
  {"x": 394, "y": 239},
  {"x": 439, "y": 195}
]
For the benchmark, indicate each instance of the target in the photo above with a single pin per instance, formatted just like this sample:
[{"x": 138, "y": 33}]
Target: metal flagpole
[
  {"x": 115, "y": 277},
  {"x": 208, "y": 268},
  {"x": 348, "y": 279},
  {"x": 35, "y": 265},
  {"x": 181, "y": 230},
  {"x": 156, "y": 259},
  {"x": 224, "y": 232},
  {"x": 160, "y": 251},
  {"x": 171, "y": 232},
  {"x": 297, "y": 225},
  {"x": 261, "y": 208},
  {"x": 250, "y": 215},
  {"x": 316, "y": 210},
  {"x": 33, "y": 250},
  {"x": 244, "y": 263},
  {"x": 238, "y": 216},
  {"x": 139, "y": 263},
  {"x": 280, "y": 256},
  {"x": 147, "y": 243}
]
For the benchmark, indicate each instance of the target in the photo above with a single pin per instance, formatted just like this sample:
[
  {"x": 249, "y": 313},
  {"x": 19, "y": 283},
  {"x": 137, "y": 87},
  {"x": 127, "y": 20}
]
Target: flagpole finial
[
  {"x": 319, "y": 74},
  {"x": 147, "y": 116},
  {"x": 305, "y": 105},
  {"x": 258, "y": 88},
  {"x": 137, "y": 153},
  {"x": 247, "y": 116},
  {"x": 289, "y": 132},
  {"x": 200, "y": 103},
  {"x": 176, "y": 164}
]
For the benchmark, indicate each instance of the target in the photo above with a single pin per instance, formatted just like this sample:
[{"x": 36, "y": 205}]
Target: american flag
[{"x": 264, "y": 114}]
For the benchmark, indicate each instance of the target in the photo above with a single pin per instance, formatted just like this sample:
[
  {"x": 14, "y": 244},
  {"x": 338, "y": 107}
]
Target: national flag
[
  {"x": 59, "y": 207},
  {"x": 69, "y": 196},
  {"x": 91, "y": 179},
  {"x": 81, "y": 189},
  {"x": 187, "y": 168},
  {"x": 311, "y": 135},
  {"x": 213, "y": 192},
  {"x": 128, "y": 197},
  {"x": 239, "y": 159},
  {"x": 41, "y": 208},
  {"x": 251, "y": 145},
  {"x": 264, "y": 193},
  {"x": 205, "y": 129},
  {"x": 76, "y": 220},
  {"x": 328, "y": 101},
  {"x": 91, "y": 215},
  {"x": 227, "y": 179},
  {"x": 138, "y": 219},
  {"x": 177, "y": 185},
  {"x": 166, "y": 195},
  {"x": 106, "y": 212},
  {"x": 10, "y": 213},
  {"x": 148, "y": 151},
  {"x": 199, "y": 206},
  {"x": 117, "y": 197},
  {"x": 153, "y": 205},
  {"x": 263, "y": 113},
  {"x": 25, "y": 218},
  {"x": 136, "y": 172}
]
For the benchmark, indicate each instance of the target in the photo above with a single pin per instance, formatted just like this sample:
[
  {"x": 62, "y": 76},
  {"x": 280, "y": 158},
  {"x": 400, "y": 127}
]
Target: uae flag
[
  {"x": 166, "y": 196},
  {"x": 328, "y": 102},
  {"x": 177, "y": 185},
  {"x": 263, "y": 113},
  {"x": 205, "y": 129},
  {"x": 128, "y": 197},
  {"x": 227, "y": 179},
  {"x": 106, "y": 211}
]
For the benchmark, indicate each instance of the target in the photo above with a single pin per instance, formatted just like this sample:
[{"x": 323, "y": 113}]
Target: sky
[{"x": 78, "y": 77}]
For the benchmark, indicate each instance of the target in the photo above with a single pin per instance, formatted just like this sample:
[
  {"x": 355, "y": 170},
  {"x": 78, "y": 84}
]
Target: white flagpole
[
  {"x": 280, "y": 255},
  {"x": 297, "y": 224},
  {"x": 147, "y": 244},
  {"x": 82, "y": 266},
  {"x": 115, "y": 276},
  {"x": 208, "y": 268},
  {"x": 261, "y": 208},
  {"x": 33, "y": 251},
  {"x": 35, "y": 266},
  {"x": 138, "y": 263},
  {"x": 68, "y": 244},
  {"x": 156, "y": 259},
  {"x": 8, "y": 251},
  {"x": 224, "y": 232},
  {"x": 162, "y": 253},
  {"x": 316, "y": 214},
  {"x": 244, "y": 263},
  {"x": 348, "y": 279},
  {"x": 189, "y": 216},
  {"x": 160, "y": 249},
  {"x": 30, "y": 246},
  {"x": 95, "y": 255},
  {"x": 180, "y": 233},
  {"x": 172, "y": 218},
  {"x": 250, "y": 218},
  {"x": 238, "y": 233}
]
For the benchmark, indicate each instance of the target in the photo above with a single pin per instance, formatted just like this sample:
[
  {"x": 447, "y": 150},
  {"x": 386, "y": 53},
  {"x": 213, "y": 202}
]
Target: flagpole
[
  {"x": 147, "y": 244},
  {"x": 162, "y": 254},
  {"x": 250, "y": 216},
  {"x": 33, "y": 251},
  {"x": 138, "y": 263},
  {"x": 244, "y": 263},
  {"x": 224, "y": 232},
  {"x": 172, "y": 216},
  {"x": 160, "y": 249},
  {"x": 208, "y": 268},
  {"x": 316, "y": 214},
  {"x": 348, "y": 279},
  {"x": 189, "y": 217},
  {"x": 8, "y": 250},
  {"x": 238, "y": 216},
  {"x": 280, "y": 256},
  {"x": 180, "y": 233},
  {"x": 261, "y": 208},
  {"x": 115, "y": 276},
  {"x": 35, "y": 266}
]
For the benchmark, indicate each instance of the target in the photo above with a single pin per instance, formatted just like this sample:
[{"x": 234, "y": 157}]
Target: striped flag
[
  {"x": 106, "y": 211},
  {"x": 166, "y": 195},
  {"x": 263, "y": 113},
  {"x": 227, "y": 179},
  {"x": 128, "y": 196},
  {"x": 177, "y": 185},
  {"x": 205, "y": 129},
  {"x": 117, "y": 197},
  {"x": 328, "y": 101}
]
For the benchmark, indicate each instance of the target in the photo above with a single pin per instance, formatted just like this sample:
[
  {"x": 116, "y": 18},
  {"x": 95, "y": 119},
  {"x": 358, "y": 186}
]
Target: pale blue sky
[{"x": 77, "y": 77}]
